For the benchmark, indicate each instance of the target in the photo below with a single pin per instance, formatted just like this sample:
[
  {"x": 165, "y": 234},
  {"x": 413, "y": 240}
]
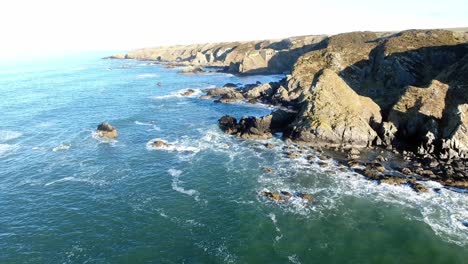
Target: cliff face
[
  {"x": 269, "y": 56},
  {"x": 418, "y": 79}
]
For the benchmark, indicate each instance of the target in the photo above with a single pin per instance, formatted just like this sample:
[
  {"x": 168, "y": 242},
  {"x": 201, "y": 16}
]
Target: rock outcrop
[
  {"x": 105, "y": 130},
  {"x": 336, "y": 115},
  {"x": 256, "y": 127}
]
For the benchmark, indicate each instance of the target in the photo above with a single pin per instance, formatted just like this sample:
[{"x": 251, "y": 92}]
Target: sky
[{"x": 33, "y": 27}]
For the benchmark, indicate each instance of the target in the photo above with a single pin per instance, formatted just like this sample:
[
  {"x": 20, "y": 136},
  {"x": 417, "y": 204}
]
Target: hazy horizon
[{"x": 55, "y": 27}]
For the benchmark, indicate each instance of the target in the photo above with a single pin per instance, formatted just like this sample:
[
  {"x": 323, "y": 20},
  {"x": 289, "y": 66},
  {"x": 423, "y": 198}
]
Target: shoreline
[{"x": 402, "y": 92}]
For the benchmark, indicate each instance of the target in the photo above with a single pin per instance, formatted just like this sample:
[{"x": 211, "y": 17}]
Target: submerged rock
[
  {"x": 192, "y": 70},
  {"x": 283, "y": 196},
  {"x": 159, "y": 144},
  {"x": 105, "y": 130},
  {"x": 188, "y": 92},
  {"x": 418, "y": 187}
]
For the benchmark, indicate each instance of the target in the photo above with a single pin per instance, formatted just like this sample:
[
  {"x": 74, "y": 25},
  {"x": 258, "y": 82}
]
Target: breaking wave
[
  {"x": 176, "y": 184},
  {"x": 170, "y": 146},
  {"x": 7, "y": 135}
]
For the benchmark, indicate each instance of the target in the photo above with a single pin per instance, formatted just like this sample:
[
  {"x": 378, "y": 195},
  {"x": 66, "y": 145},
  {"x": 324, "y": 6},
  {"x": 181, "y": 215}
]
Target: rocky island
[{"x": 405, "y": 93}]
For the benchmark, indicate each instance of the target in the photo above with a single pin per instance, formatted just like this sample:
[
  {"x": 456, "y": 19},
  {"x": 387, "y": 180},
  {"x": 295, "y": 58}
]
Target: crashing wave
[
  {"x": 61, "y": 147},
  {"x": 161, "y": 144}
]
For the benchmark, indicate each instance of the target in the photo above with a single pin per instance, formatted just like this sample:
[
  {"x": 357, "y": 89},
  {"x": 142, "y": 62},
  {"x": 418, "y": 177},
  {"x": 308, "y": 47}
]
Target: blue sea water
[{"x": 67, "y": 196}]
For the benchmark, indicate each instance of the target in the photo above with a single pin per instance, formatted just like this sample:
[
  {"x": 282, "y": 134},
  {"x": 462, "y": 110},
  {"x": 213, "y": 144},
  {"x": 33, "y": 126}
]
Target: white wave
[
  {"x": 178, "y": 94},
  {"x": 275, "y": 223},
  {"x": 444, "y": 211},
  {"x": 6, "y": 148},
  {"x": 61, "y": 147},
  {"x": 143, "y": 123},
  {"x": 73, "y": 179},
  {"x": 294, "y": 259},
  {"x": 175, "y": 184},
  {"x": 7, "y": 135},
  {"x": 96, "y": 136},
  {"x": 171, "y": 146},
  {"x": 147, "y": 75},
  {"x": 150, "y": 124}
]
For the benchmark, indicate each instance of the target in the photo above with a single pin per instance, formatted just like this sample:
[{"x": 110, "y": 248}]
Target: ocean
[{"x": 67, "y": 196}]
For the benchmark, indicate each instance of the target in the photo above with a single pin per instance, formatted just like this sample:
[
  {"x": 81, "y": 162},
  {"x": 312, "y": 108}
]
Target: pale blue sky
[{"x": 51, "y": 26}]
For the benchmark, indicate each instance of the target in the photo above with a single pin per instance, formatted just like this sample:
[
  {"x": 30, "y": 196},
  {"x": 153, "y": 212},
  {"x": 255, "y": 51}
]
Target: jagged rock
[
  {"x": 228, "y": 124},
  {"x": 344, "y": 122},
  {"x": 269, "y": 145},
  {"x": 265, "y": 90},
  {"x": 230, "y": 97},
  {"x": 455, "y": 142},
  {"x": 256, "y": 127},
  {"x": 105, "y": 130},
  {"x": 387, "y": 133},
  {"x": 218, "y": 92}
]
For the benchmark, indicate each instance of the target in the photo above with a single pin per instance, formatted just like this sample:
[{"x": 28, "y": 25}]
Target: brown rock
[
  {"x": 188, "y": 92},
  {"x": 406, "y": 171},
  {"x": 105, "y": 130},
  {"x": 309, "y": 198}
]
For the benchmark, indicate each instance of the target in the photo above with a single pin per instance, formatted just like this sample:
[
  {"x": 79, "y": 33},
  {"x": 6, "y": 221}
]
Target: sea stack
[{"x": 105, "y": 130}]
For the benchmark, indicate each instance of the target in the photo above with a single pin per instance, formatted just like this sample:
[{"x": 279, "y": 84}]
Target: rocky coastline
[{"x": 390, "y": 106}]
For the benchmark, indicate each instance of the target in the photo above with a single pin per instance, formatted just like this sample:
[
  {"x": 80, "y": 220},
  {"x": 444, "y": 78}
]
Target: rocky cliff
[
  {"x": 268, "y": 56},
  {"x": 417, "y": 79}
]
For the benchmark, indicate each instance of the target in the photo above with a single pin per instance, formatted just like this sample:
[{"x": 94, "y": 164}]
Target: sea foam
[{"x": 7, "y": 135}]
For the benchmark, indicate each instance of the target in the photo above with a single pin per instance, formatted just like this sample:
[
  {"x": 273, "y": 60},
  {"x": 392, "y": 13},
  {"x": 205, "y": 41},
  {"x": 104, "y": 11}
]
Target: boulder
[
  {"x": 159, "y": 144},
  {"x": 230, "y": 97},
  {"x": 105, "y": 130},
  {"x": 218, "y": 92},
  {"x": 254, "y": 127},
  {"x": 260, "y": 91},
  {"x": 228, "y": 124}
]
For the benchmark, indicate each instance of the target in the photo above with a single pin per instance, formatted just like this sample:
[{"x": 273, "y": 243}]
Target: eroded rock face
[
  {"x": 105, "y": 130},
  {"x": 455, "y": 142},
  {"x": 417, "y": 113},
  {"x": 336, "y": 115}
]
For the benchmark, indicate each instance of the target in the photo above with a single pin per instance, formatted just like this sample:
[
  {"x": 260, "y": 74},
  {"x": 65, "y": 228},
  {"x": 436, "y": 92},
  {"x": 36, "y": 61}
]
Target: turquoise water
[{"x": 68, "y": 197}]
